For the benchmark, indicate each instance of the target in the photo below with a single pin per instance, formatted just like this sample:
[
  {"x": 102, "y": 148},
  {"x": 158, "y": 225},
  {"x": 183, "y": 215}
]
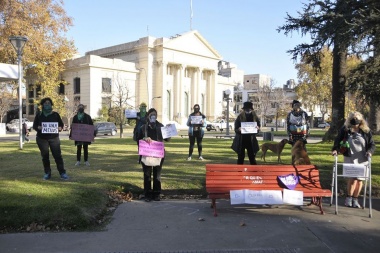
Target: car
[
  {"x": 218, "y": 125},
  {"x": 105, "y": 128},
  {"x": 323, "y": 125},
  {"x": 13, "y": 125}
]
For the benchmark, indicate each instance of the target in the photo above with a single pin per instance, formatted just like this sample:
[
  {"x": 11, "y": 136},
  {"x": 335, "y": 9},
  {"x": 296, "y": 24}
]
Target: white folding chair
[{"x": 353, "y": 170}]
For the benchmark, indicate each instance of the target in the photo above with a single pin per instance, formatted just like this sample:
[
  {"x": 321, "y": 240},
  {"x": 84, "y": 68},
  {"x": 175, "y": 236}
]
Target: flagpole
[{"x": 191, "y": 15}]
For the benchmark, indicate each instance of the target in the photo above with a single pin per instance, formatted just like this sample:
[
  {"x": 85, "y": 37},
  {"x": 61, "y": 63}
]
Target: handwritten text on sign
[
  {"x": 169, "y": 131},
  {"x": 155, "y": 148},
  {"x": 82, "y": 132},
  {"x": 248, "y": 127},
  {"x": 49, "y": 127}
]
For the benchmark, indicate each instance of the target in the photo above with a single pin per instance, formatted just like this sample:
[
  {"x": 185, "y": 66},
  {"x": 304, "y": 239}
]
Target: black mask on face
[
  {"x": 196, "y": 110},
  {"x": 355, "y": 121},
  {"x": 81, "y": 110}
]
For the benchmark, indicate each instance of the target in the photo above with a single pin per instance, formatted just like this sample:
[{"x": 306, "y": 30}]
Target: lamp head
[{"x": 18, "y": 42}]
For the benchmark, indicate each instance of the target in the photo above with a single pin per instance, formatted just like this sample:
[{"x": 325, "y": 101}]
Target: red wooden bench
[{"x": 221, "y": 178}]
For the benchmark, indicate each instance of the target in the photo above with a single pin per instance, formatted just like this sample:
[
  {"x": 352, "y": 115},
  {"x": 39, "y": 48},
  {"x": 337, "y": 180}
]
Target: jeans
[
  {"x": 85, "y": 152},
  {"x": 55, "y": 147}
]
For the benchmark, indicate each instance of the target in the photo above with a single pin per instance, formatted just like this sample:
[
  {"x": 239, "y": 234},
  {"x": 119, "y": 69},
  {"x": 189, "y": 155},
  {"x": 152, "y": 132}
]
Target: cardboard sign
[
  {"x": 248, "y": 128},
  {"x": 270, "y": 197},
  {"x": 49, "y": 127},
  {"x": 293, "y": 197},
  {"x": 196, "y": 120},
  {"x": 169, "y": 131},
  {"x": 154, "y": 149},
  {"x": 354, "y": 170},
  {"x": 130, "y": 114},
  {"x": 82, "y": 132}
]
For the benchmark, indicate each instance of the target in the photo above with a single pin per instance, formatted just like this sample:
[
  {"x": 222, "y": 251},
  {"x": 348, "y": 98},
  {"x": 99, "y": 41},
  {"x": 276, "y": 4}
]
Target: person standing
[
  {"x": 82, "y": 118},
  {"x": 25, "y": 133},
  {"x": 196, "y": 131},
  {"x": 360, "y": 147},
  {"x": 297, "y": 123},
  {"x": 48, "y": 137},
  {"x": 140, "y": 120},
  {"x": 151, "y": 131},
  {"x": 247, "y": 141}
]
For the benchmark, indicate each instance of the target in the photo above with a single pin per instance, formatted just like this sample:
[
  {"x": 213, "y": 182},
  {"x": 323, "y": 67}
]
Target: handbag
[
  {"x": 344, "y": 146},
  {"x": 150, "y": 160}
]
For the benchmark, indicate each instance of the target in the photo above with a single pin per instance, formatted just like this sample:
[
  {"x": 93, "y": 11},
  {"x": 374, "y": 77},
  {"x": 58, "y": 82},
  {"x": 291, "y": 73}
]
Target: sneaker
[
  {"x": 355, "y": 203},
  {"x": 77, "y": 163},
  {"x": 87, "y": 163},
  {"x": 189, "y": 158},
  {"x": 200, "y": 158},
  {"x": 64, "y": 176},
  {"x": 47, "y": 176},
  {"x": 348, "y": 202}
]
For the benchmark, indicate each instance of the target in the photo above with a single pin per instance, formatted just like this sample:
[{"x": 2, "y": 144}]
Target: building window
[
  {"x": 61, "y": 89},
  {"x": 38, "y": 90},
  {"x": 76, "y": 85},
  {"x": 106, "y": 85},
  {"x": 31, "y": 106},
  {"x": 31, "y": 91}
]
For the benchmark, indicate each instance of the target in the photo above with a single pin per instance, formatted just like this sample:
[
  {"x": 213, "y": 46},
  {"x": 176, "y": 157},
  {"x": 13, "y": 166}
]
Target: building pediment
[{"x": 192, "y": 43}]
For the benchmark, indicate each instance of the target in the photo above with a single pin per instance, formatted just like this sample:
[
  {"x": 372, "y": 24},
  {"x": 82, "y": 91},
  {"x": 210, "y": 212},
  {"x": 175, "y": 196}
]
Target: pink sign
[
  {"x": 82, "y": 132},
  {"x": 155, "y": 148}
]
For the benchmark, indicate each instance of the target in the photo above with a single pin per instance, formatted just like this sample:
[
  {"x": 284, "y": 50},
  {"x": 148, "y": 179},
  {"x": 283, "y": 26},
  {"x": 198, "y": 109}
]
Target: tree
[
  {"x": 44, "y": 23},
  {"x": 5, "y": 100}
]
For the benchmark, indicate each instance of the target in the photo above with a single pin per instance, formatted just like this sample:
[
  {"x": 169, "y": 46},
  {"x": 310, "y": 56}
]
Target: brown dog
[
  {"x": 274, "y": 147},
  {"x": 299, "y": 154}
]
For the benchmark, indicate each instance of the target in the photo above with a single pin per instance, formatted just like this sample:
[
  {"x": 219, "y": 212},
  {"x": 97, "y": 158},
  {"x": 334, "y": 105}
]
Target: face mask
[
  {"x": 196, "y": 110},
  {"x": 152, "y": 119},
  {"x": 81, "y": 110},
  {"x": 47, "y": 107},
  {"x": 355, "y": 121},
  {"x": 143, "y": 109},
  {"x": 248, "y": 111}
]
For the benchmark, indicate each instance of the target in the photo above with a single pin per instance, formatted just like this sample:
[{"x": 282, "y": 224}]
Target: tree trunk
[{"x": 374, "y": 116}]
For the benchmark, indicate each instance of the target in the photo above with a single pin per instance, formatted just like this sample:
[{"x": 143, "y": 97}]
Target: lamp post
[
  {"x": 226, "y": 97},
  {"x": 151, "y": 102},
  {"x": 18, "y": 42}
]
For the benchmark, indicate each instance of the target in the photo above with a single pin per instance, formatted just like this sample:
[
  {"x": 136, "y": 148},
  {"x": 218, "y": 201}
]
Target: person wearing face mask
[
  {"x": 82, "y": 118},
  {"x": 297, "y": 123},
  {"x": 247, "y": 141},
  {"x": 140, "y": 120},
  {"x": 196, "y": 132},
  {"x": 48, "y": 137},
  {"x": 360, "y": 146},
  {"x": 151, "y": 131}
]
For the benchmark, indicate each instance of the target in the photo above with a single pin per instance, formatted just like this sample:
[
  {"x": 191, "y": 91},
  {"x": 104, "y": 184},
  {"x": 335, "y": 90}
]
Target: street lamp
[
  {"x": 226, "y": 97},
  {"x": 151, "y": 102},
  {"x": 18, "y": 42}
]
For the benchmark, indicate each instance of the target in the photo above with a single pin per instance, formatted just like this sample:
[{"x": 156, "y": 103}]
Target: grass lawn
[{"x": 28, "y": 203}]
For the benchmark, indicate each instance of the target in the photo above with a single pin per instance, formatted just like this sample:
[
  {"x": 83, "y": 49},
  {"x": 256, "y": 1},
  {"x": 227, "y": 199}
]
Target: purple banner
[
  {"x": 82, "y": 132},
  {"x": 289, "y": 181},
  {"x": 154, "y": 149}
]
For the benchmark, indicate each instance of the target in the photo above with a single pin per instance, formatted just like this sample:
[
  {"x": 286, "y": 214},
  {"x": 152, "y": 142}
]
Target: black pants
[
  {"x": 199, "y": 139},
  {"x": 85, "y": 152},
  {"x": 148, "y": 192},
  {"x": 55, "y": 147},
  {"x": 247, "y": 145}
]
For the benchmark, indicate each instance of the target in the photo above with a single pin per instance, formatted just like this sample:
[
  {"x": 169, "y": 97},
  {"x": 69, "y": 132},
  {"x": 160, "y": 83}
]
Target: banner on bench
[
  {"x": 269, "y": 197},
  {"x": 293, "y": 197}
]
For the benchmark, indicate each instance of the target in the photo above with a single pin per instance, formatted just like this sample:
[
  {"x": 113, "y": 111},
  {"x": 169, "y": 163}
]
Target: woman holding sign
[
  {"x": 48, "y": 124},
  {"x": 151, "y": 133},
  {"x": 196, "y": 123},
  {"x": 355, "y": 142},
  {"x": 82, "y": 118},
  {"x": 297, "y": 123},
  {"x": 247, "y": 125}
]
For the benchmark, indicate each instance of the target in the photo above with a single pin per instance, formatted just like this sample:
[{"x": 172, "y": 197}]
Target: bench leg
[
  {"x": 318, "y": 202},
  {"x": 213, "y": 205}
]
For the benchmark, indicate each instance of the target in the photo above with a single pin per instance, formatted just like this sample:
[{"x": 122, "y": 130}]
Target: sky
[{"x": 242, "y": 31}]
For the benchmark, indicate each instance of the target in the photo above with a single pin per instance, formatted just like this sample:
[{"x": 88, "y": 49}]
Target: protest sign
[
  {"x": 237, "y": 197},
  {"x": 82, "y": 132},
  {"x": 49, "y": 127},
  {"x": 293, "y": 197},
  {"x": 154, "y": 149},
  {"x": 130, "y": 114},
  {"x": 169, "y": 131},
  {"x": 354, "y": 170},
  {"x": 270, "y": 197},
  {"x": 196, "y": 120},
  {"x": 248, "y": 127}
]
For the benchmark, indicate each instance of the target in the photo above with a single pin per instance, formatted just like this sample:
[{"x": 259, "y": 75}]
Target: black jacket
[
  {"x": 344, "y": 133},
  {"x": 53, "y": 117},
  {"x": 85, "y": 120}
]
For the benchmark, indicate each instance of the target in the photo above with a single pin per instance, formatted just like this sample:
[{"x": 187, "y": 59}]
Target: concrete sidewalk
[{"x": 189, "y": 226}]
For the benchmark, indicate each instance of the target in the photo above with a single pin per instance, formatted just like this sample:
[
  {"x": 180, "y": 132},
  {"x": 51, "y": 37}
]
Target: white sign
[
  {"x": 49, "y": 127},
  {"x": 169, "y": 131},
  {"x": 237, "y": 197},
  {"x": 131, "y": 114},
  {"x": 196, "y": 120},
  {"x": 354, "y": 170},
  {"x": 293, "y": 197},
  {"x": 270, "y": 197},
  {"x": 248, "y": 127}
]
